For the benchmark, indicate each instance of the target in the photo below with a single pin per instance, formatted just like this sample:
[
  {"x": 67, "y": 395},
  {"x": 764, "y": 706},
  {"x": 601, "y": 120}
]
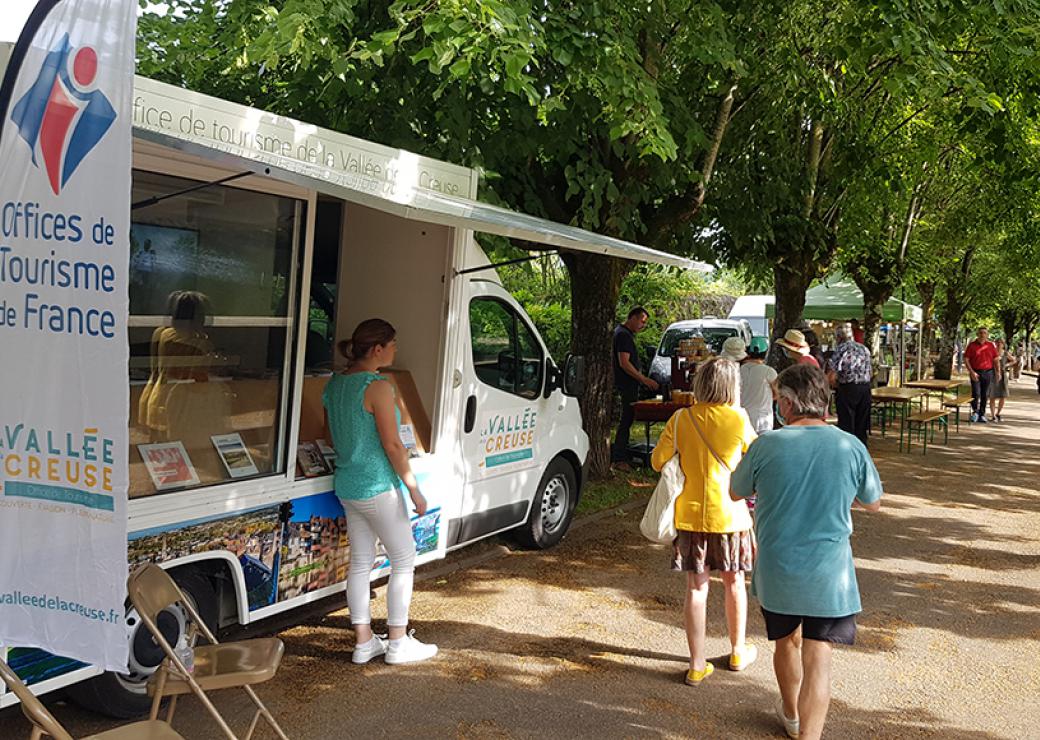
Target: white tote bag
[{"x": 658, "y": 524}]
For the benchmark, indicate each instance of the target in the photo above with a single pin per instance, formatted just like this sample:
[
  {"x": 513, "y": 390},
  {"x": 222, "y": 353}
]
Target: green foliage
[
  {"x": 776, "y": 138},
  {"x": 666, "y": 293}
]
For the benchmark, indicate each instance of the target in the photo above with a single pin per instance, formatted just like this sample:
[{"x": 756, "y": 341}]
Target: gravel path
[{"x": 585, "y": 640}]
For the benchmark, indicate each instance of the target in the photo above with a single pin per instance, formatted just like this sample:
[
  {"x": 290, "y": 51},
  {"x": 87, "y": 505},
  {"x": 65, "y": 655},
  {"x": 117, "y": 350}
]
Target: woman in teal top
[
  {"x": 808, "y": 477},
  {"x": 371, "y": 469}
]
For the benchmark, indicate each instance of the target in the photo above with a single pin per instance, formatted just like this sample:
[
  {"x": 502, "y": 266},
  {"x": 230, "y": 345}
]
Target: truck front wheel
[
  {"x": 124, "y": 695},
  {"x": 553, "y": 506}
]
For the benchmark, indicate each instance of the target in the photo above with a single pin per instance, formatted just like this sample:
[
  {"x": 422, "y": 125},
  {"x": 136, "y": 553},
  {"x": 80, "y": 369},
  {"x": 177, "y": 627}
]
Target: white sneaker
[
  {"x": 371, "y": 649},
  {"x": 409, "y": 650},
  {"x": 791, "y": 726}
]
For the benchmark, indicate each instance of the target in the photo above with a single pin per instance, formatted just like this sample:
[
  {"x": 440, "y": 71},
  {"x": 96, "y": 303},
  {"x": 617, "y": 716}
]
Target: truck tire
[
  {"x": 553, "y": 507},
  {"x": 124, "y": 696}
]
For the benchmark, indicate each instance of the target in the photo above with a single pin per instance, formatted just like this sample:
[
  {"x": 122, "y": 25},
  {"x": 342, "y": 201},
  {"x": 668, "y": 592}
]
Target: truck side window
[
  {"x": 506, "y": 353},
  {"x": 529, "y": 383}
]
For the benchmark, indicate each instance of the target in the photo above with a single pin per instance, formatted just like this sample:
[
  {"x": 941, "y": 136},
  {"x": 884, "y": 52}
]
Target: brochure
[
  {"x": 169, "y": 465},
  {"x": 327, "y": 452},
  {"x": 236, "y": 457},
  {"x": 312, "y": 463},
  {"x": 408, "y": 437}
]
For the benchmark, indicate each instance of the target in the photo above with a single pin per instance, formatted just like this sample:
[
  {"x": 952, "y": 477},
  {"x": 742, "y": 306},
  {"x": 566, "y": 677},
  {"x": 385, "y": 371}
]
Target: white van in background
[
  {"x": 714, "y": 331},
  {"x": 752, "y": 308}
]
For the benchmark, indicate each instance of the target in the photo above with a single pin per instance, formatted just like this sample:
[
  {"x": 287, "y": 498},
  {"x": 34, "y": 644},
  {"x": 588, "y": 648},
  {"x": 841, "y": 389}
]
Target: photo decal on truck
[
  {"x": 252, "y": 537},
  {"x": 507, "y": 440}
]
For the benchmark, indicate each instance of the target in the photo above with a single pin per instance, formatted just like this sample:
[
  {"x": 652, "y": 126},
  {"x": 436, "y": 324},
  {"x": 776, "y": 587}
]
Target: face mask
[{"x": 780, "y": 417}]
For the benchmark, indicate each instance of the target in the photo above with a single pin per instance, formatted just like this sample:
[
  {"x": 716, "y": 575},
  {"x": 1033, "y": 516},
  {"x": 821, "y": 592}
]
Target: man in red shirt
[
  {"x": 857, "y": 331},
  {"x": 979, "y": 356}
]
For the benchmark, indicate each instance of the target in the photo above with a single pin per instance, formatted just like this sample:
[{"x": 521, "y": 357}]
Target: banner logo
[{"x": 64, "y": 116}]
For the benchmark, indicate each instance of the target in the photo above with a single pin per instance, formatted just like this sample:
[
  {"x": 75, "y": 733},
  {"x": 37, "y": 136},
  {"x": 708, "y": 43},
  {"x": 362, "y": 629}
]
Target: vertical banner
[{"x": 65, "y": 157}]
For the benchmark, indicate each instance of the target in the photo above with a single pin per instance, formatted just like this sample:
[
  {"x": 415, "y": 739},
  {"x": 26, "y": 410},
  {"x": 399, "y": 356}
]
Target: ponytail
[{"x": 369, "y": 334}]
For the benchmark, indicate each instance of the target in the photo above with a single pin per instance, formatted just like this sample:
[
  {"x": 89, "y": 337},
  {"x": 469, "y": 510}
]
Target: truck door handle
[{"x": 471, "y": 414}]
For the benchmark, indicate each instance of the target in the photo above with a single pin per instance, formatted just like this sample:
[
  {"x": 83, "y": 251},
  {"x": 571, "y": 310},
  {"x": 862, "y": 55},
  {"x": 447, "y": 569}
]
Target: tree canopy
[{"x": 895, "y": 141}]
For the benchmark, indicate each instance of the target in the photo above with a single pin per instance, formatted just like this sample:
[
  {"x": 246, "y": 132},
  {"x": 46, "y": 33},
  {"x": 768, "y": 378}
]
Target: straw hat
[
  {"x": 794, "y": 340},
  {"x": 733, "y": 349}
]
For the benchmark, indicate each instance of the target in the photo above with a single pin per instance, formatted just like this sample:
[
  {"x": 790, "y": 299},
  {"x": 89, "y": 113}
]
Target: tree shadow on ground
[
  {"x": 496, "y": 683},
  {"x": 619, "y": 568},
  {"x": 530, "y": 685}
]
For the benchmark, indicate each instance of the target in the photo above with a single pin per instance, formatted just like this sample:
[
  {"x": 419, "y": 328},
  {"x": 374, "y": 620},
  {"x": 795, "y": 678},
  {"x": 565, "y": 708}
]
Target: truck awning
[{"x": 389, "y": 180}]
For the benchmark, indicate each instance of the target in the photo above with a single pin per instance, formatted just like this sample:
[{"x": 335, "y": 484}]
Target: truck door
[{"x": 504, "y": 410}]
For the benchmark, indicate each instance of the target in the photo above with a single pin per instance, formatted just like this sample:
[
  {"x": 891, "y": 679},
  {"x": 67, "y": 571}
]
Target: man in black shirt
[{"x": 627, "y": 377}]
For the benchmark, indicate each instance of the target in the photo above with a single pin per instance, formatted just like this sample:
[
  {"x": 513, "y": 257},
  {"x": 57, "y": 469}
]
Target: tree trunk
[
  {"x": 1009, "y": 319},
  {"x": 953, "y": 311},
  {"x": 927, "y": 332},
  {"x": 595, "y": 286},
  {"x": 947, "y": 346},
  {"x": 949, "y": 322},
  {"x": 874, "y": 297},
  {"x": 789, "y": 287},
  {"x": 1030, "y": 324}
]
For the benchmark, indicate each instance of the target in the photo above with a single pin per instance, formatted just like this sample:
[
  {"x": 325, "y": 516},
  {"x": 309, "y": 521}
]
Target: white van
[
  {"x": 714, "y": 331},
  {"x": 289, "y": 235}
]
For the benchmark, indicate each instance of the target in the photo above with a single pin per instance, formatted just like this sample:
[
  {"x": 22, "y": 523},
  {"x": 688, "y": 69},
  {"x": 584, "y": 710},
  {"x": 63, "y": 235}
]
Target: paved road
[{"x": 585, "y": 640}]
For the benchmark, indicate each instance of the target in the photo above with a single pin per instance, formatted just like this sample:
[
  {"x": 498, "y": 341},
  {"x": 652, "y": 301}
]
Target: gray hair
[
  {"x": 843, "y": 332},
  {"x": 807, "y": 390},
  {"x": 717, "y": 381}
]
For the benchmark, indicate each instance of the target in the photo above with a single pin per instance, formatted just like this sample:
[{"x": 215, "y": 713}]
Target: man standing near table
[
  {"x": 850, "y": 372},
  {"x": 979, "y": 357},
  {"x": 628, "y": 378}
]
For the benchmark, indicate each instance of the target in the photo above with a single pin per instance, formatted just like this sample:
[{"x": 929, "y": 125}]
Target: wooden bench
[
  {"x": 963, "y": 399},
  {"x": 923, "y": 423}
]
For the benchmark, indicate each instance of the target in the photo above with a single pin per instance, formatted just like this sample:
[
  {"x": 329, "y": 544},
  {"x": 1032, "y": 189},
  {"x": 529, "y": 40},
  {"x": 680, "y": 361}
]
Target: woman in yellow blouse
[{"x": 714, "y": 531}]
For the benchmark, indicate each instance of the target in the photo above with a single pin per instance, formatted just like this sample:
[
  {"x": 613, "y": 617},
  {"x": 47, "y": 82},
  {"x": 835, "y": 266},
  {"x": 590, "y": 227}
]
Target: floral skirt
[{"x": 701, "y": 552}]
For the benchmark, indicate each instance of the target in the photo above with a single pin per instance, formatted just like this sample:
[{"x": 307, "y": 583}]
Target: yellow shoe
[
  {"x": 740, "y": 661},
  {"x": 693, "y": 678}
]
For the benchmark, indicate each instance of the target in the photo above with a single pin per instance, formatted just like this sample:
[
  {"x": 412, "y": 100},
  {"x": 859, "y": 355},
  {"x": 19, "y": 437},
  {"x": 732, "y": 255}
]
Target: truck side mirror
[{"x": 571, "y": 379}]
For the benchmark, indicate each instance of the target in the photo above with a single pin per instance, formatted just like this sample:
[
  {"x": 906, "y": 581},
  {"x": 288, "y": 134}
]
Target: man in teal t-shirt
[{"x": 807, "y": 477}]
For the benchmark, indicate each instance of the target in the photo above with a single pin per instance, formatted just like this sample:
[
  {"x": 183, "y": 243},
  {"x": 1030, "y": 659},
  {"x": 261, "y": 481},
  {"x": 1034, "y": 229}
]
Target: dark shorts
[{"x": 841, "y": 630}]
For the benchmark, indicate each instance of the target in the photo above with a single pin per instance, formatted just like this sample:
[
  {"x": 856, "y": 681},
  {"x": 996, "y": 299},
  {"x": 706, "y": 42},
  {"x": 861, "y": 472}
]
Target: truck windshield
[{"x": 713, "y": 335}]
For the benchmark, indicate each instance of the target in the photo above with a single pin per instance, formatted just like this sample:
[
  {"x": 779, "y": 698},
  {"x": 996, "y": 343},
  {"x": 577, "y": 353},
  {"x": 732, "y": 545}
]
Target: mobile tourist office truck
[{"x": 257, "y": 243}]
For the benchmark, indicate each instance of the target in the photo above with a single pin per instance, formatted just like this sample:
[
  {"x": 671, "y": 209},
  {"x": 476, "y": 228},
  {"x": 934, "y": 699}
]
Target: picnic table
[
  {"x": 652, "y": 411},
  {"x": 936, "y": 386},
  {"x": 899, "y": 398}
]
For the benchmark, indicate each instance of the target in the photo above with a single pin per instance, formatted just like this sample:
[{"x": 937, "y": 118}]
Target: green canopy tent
[{"x": 843, "y": 300}]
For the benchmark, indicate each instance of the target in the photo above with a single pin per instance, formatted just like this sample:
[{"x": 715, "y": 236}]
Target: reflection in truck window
[{"x": 499, "y": 337}]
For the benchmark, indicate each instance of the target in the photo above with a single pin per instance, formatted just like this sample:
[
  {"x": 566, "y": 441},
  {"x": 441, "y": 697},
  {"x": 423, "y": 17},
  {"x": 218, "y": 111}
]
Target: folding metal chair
[
  {"x": 217, "y": 666},
  {"x": 44, "y": 723}
]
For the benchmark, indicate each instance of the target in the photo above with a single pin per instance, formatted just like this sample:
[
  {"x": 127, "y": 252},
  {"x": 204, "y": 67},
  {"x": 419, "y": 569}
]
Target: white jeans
[{"x": 383, "y": 517}]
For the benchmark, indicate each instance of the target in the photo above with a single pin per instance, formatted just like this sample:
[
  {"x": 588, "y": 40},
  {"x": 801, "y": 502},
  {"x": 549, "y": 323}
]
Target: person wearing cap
[
  {"x": 797, "y": 348},
  {"x": 756, "y": 378},
  {"x": 850, "y": 373}
]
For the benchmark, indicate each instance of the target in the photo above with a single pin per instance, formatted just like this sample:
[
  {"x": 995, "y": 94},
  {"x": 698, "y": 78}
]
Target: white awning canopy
[{"x": 389, "y": 180}]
